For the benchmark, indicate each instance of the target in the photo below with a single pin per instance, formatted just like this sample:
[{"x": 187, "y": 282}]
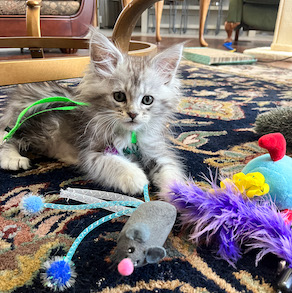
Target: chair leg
[
  {"x": 33, "y": 29},
  {"x": 158, "y": 14},
  {"x": 36, "y": 52},
  {"x": 236, "y": 34},
  {"x": 68, "y": 50}
]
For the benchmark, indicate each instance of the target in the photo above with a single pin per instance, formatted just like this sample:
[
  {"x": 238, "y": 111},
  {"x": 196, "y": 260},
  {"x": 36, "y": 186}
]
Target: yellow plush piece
[{"x": 251, "y": 184}]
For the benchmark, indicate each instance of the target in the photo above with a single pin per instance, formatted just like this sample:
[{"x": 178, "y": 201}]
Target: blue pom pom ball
[
  {"x": 32, "y": 204},
  {"x": 59, "y": 274}
]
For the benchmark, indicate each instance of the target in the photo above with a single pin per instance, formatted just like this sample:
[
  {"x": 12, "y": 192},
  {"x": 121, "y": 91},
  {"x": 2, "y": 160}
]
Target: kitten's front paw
[
  {"x": 14, "y": 162},
  {"x": 166, "y": 177},
  {"x": 132, "y": 181}
]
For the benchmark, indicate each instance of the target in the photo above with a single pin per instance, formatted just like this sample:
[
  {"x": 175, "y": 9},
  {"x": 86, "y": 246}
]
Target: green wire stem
[{"x": 39, "y": 102}]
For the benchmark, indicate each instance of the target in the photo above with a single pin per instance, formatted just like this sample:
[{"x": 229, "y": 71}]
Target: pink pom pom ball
[{"x": 126, "y": 267}]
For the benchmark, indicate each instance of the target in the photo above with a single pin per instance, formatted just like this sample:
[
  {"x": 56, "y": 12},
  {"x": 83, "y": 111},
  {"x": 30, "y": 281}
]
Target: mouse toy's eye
[
  {"x": 131, "y": 249},
  {"x": 147, "y": 100},
  {"x": 119, "y": 96}
]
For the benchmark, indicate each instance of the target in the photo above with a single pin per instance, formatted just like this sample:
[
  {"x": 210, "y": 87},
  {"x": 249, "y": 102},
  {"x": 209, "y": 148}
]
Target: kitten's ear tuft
[
  {"x": 104, "y": 55},
  {"x": 166, "y": 63}
]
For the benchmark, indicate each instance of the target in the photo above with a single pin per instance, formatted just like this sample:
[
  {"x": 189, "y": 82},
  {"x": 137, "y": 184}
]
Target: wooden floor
[
  {"x": 240, "y": 46},
  {"x": 8, "y": 54}
]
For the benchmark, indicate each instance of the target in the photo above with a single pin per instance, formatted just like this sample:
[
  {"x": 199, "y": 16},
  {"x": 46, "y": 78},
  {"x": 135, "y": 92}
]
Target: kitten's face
[
  {"x": 132, "y": 112},
  {"x": 131, "y": 92},
  {"x": 135, "y": 97}
]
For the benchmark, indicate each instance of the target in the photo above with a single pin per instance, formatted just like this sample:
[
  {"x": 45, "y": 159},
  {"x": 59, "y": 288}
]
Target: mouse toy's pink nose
[{"x": 126, "y": 267}]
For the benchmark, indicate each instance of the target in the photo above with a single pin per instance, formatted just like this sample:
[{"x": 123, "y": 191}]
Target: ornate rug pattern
[{"x": 214, "y": 129}]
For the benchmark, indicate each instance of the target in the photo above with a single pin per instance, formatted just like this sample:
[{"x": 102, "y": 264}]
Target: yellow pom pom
[{"x": 251, "y": 184}]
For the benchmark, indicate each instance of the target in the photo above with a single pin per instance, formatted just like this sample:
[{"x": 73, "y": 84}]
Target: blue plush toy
[{"x": 276, "y": 168}]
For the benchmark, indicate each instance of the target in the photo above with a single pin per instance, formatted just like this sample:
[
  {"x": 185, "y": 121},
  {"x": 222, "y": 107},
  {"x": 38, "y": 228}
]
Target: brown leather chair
[
  {"x": 69, "y": 18},
  {"x": 43, "y": 69}
]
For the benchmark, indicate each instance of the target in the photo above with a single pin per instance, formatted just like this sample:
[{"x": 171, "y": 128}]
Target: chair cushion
[
  {"x": 49, "y": 7},
  {"x": 259, "y": 17}
]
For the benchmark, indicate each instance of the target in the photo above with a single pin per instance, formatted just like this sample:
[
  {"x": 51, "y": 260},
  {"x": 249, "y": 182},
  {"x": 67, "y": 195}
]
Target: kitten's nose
[{"x": 132, "y": 115}]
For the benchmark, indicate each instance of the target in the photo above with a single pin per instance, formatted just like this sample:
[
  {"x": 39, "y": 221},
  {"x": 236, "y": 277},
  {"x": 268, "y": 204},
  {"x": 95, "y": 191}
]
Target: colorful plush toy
[
  {"x": 276, "y": 168},
  {"x": 140, "y": 242},
  {"x": 229, "y": 219}
]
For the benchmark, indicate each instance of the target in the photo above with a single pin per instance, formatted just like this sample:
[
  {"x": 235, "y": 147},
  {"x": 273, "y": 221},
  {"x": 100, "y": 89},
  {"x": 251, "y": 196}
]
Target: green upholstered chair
[{"x": 251, "y": 15}]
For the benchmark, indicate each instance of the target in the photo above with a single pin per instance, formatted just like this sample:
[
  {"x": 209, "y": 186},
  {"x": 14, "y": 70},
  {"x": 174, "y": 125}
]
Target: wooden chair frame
[{"x": 43, "y": 69}]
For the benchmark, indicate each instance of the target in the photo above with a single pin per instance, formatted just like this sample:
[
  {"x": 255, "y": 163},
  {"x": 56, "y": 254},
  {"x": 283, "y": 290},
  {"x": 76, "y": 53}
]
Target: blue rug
[{"x": 214, "y": 129}]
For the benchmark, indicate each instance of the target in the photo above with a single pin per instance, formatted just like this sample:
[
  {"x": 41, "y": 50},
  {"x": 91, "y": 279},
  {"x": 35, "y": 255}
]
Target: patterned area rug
[{"x": 214, "y": 129}]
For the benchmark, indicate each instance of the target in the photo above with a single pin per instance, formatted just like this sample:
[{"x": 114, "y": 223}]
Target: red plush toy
[{"x": 275, "y": 143}]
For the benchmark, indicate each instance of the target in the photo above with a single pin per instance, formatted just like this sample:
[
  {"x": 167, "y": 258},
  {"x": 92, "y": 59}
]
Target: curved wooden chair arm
[{"x": 126, "y": 22}]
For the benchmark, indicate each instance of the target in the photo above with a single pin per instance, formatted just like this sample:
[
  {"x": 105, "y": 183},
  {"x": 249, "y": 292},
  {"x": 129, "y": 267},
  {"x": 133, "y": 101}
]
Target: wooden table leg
[
  {"x": 158, "y": 15},
  {"x": 204, "y": 6}
]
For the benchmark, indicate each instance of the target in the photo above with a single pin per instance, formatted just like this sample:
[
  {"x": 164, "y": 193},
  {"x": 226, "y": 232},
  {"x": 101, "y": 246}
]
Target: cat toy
[
  {"x": 141, "y": 240},
  {"x": 59, "y": 272},
  {"x": 20, "y": 120},
  {"x": 227, "y": 216},
  {"x": 229, "y": 219},
  {"x": 276, "y": 167}
]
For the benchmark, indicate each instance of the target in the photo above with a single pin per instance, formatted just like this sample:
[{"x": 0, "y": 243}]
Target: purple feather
[{"x": 225, "y": 217}]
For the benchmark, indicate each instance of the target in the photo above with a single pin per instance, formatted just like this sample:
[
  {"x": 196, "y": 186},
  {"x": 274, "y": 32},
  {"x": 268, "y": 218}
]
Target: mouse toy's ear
[
  {"x": 138, "y": 232},
  {"x": 104, "y": 55},
  {"x": 155, "y": 254}
]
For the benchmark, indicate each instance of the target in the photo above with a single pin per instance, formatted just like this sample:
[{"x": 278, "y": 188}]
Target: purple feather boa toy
[{"x": 229, "y": 219}]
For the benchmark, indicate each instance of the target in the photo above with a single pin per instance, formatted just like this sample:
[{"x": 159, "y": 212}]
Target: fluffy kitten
[{"x": 126, "y": 94}]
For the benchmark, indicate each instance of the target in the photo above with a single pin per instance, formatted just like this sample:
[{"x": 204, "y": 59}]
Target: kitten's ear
[
  {"x": 104, "y": 55},
  {"x": 166, "y": 63}
]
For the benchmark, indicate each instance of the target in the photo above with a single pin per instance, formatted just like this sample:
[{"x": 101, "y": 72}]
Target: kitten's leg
[
  {"x": 10, "y": 158},
  {"x": 166, "y": 171},
  {"x": 114, "y": 171}
]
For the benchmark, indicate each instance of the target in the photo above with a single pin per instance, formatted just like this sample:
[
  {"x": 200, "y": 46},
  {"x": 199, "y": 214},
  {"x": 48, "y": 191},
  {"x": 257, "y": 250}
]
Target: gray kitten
[{"x": 126, "y": 94}]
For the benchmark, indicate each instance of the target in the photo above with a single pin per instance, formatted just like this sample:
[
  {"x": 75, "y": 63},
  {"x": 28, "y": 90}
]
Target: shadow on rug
[{"x": 213, "y": 130}]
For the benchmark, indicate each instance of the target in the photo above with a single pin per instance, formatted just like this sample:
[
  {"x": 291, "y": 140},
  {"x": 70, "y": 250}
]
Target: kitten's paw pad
[
  {"x": 14, "y": 163},
  {"x": 133, "y": 181}
]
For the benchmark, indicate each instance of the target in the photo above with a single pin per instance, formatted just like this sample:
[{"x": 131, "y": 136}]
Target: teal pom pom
[
  {"x": 59, "y": 273},
  {"x": 32, "y": 204}
]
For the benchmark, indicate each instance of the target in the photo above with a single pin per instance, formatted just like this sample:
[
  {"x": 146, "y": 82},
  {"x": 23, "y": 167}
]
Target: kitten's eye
[
  {"x": 131, "y": 249},
  {"x": 119, "y": 96},
  {"x": 147, "y": 100}
]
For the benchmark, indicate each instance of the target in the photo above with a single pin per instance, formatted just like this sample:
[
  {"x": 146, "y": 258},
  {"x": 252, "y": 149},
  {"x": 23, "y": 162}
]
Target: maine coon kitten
[{"x": 126, "y": 94}]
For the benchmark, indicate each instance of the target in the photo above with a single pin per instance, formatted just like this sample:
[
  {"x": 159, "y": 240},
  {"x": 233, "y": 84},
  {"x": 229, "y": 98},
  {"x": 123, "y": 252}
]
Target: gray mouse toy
[{"x": 141, "y": 240}]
